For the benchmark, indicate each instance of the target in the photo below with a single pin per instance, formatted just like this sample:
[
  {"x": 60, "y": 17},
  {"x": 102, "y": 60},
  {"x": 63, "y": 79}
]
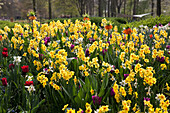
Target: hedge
[{"x": 150, "y": 22}]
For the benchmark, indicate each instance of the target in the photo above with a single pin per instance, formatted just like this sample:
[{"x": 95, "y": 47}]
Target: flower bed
[{"x": 80, "y": 67}]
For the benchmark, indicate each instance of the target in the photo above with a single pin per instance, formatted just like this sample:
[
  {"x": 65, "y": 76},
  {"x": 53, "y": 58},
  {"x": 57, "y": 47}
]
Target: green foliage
[
  {"x": 150, "y": 22},
  {"x": 7, "y": 23}
]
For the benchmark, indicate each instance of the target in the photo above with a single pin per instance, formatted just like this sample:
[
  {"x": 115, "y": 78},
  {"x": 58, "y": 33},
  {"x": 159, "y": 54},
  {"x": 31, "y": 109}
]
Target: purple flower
[
  {"x": 126, "y": 75},
  {"x": 168, "y": 47},
  {"x": 75, "y": 58},
  {"x": 91, "y": 39},
  {"x": 112, "y": 93},
  {"x": 41, "y": 56},
  {"x": 147, "y": 99},
  {"x": 108, "y": 42},
  {"x": 82, "y": 111},
  {"x": 110, "y": 36},
  {"x": 169, "y": 24},
  {"x": 66, "y": 33},
  {"x": 46, "y": 42},
  {"x": 48, "y": 39},
  {"x": 78, "y": 31},
  {"x": 72, "y": 46},
  {"x": 160, "y": 24},
  {"x": 104, "y": 51},
  {"x": 136, "y": 61},
  {"x": 87, "y": 52},
  {"x": 96, "y": 100},
  {"x": 162, "y": 59}
]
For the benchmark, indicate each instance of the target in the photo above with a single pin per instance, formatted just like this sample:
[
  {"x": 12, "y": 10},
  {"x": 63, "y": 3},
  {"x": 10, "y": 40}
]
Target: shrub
[
  {"x": 9, "y": 24},
  {"x": 150, "y": 22}
]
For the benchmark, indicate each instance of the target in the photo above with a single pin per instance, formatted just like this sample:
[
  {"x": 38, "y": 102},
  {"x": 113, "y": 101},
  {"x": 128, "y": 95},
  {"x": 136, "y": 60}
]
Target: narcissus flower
[
  {"x": 92, "y": 91},
  {"x": 65, "y": 106}
]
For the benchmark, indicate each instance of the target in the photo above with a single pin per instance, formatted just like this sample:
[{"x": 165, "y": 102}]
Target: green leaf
[{"x": 34, "y": 110}]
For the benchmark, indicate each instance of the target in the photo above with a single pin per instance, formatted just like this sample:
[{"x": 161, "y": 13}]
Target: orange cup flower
[
  {"x": 32, "y": 17},
  {"x": 107, "y": 27},
  {"x": 127, "y": 31},
  {"x": 86, "y": 18}
]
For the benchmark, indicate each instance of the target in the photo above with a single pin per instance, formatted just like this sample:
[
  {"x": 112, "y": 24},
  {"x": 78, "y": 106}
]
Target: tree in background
[
  {"x": 34, "y": 6},
  {"x": 158, "y": 7},
  {"x": 49, "y": 9}
]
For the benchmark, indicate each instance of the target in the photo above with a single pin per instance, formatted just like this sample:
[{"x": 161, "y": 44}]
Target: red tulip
[
  {"x": 4, "y": 81},
  {"x": 28, "y": 83},
  {"x": 0, "y": 37},
  {"x": 5, "y": 54},
  {"x": 151, "y": 36},
  {"x": 11, "y": 66},
  {"x": 25, "y": 69},
  {"x": 5, "y": 49}
]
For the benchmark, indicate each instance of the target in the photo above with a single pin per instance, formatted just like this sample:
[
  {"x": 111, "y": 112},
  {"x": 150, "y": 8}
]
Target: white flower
[
  {"x": 70, "y": 59},
  {"x": 17, "y": 59},
  {"x": 51, "y": 69},
  {"x": 113, "y": 78},
  {"x": 45, "y": 70},
  {"x": 29, "y": 78},
  {"x": 30, "y": 88},
  {"x": 123, "y": 65},
  {"x": 136, "y": 84},
  {"x": 149, "y": 91},
  {"x": 157, "y": 96},
  {"x": 123, "y": 83},
  {"x": 88, "y": 45},
  {"x": 97, "y": 111}
]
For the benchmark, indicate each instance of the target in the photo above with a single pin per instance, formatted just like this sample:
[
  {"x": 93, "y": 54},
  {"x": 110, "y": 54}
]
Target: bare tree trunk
[
  {"x": 91, "y": 7},
  {"x": 49, "y": 8},
  {"x": 158, "y": 7},
  {"x": 125, "y": 7},
  {"x": 113, "y": 8},
  {"x": 100, "y": 4},
  {"x": 118, "y": 10},
  {"x": 105, "y": 8},
  {"x": 108, "y": 8},
  {"x": 137, "y": 5},
  {"x": 134, "y": 8},
  {"x": 130, "y": 9},
  {"x": 87, "y": 6},
  {"x": 152, "y": 7},
  {"x": 34, "y": 7}
]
